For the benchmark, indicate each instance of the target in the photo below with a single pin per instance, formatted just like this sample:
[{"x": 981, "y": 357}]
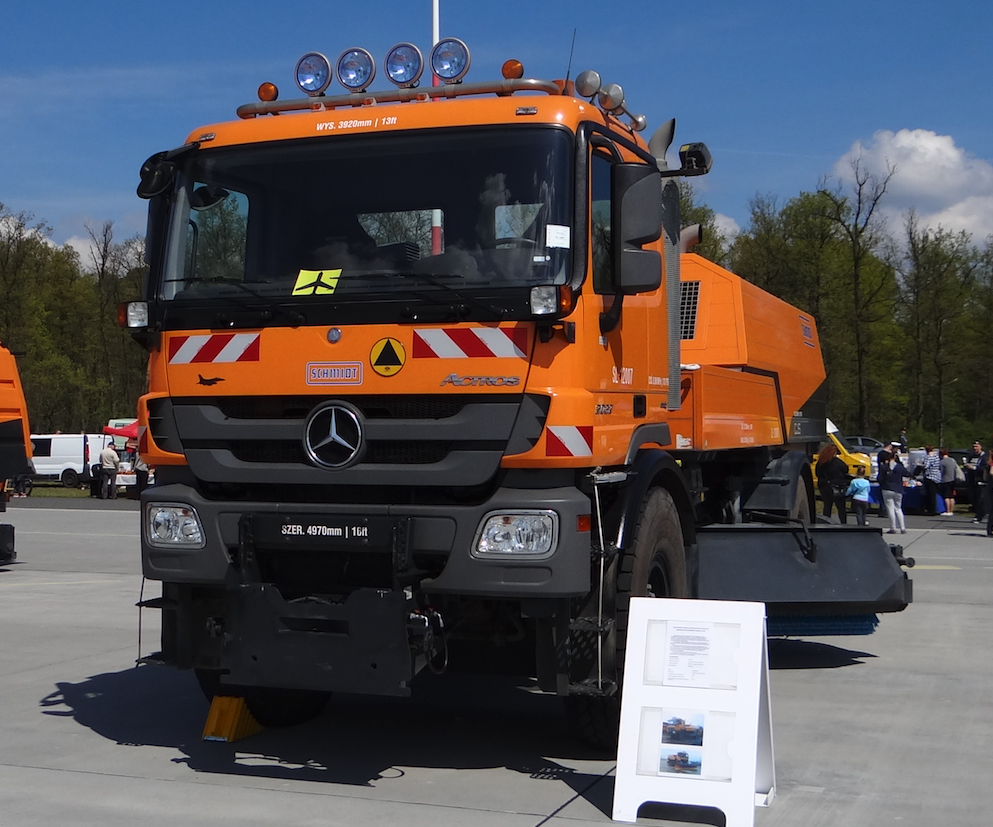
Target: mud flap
[{"x": 835, "y": 571}]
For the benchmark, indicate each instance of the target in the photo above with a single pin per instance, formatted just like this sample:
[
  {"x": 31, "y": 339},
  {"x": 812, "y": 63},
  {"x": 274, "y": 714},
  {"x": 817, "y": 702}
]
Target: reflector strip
[
  {"x": 470, "y": 342},
  {"x": 216, "y": 348},
  {"x": 569, "y": 441}
]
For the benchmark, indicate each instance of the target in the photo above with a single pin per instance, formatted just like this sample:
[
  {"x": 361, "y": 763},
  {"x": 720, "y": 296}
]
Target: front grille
[
  {"x": 372, "y": 407},
  {"x": 437, "y": 440},
  {"x": 378, "y": 453}
]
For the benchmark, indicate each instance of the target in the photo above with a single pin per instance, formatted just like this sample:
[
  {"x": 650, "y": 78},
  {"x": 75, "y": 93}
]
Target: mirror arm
[{"x": 609, "y": 319}]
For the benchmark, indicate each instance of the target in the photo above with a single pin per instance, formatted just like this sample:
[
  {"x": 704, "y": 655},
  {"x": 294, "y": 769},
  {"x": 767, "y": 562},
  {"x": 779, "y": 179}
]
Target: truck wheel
[
  {"x": 654, "y": 566},
  {"x": 270, "y": 706},
  {"x": 70, "y": 479}
]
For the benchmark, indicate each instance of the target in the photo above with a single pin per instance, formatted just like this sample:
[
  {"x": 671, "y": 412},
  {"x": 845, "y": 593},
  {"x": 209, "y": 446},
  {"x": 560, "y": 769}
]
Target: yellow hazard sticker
[
  {"x": 316, "y": 282},
  {"x": 387, "y": 357}
]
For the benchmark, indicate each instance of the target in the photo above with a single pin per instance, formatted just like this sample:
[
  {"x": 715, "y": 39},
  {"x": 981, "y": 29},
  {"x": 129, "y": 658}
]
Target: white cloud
[
  {"x": 945, "y": 184},
  {"x": 727, "y": 226},
  {"x": 86, "y": 248}
]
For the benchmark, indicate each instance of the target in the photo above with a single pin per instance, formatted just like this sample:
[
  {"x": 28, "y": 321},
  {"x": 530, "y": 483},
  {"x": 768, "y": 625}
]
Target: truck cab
[{"x": 416, "y": 389}]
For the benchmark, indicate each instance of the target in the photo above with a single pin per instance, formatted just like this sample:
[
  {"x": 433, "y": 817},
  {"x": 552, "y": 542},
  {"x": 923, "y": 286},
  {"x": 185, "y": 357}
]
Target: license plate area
[
  {"x": 306, "y": 531},
  {"x": 322, "y": 555}
]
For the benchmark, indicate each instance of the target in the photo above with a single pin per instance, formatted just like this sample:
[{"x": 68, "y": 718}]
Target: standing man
[
  {"x": 973, "y": 467},
  {"x": 932, "y": 480},
  {"x": 109, "y": 463},
  {"x": 947, "y": 486}
]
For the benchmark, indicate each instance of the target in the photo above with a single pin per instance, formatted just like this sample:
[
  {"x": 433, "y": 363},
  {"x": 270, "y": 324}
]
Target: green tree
[
  {"x": 938, "y": 282},
  {"x": 869, "y": 282}
]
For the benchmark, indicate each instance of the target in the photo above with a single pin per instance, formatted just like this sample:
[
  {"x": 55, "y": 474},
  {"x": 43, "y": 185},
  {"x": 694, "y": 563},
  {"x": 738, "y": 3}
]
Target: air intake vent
[{"x": 689, "y": 299}]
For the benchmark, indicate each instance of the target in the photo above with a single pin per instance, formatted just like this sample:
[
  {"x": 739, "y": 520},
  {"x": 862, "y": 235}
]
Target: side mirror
[
  {"x": 156, "y": 176},
  {"x": 695, "y": 159},
  {"x": 636, "y": 219}
]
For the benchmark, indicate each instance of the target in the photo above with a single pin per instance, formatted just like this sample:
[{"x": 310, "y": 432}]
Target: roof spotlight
[
  {"x": 588, "y": 84},
  {"x": 610, "y": 97},
  {"x": 450, "y": 59},
  {"x": 404, "y": 64},
  {"x": 355, "y": 69},
  {"x": 313, "y": 73}
]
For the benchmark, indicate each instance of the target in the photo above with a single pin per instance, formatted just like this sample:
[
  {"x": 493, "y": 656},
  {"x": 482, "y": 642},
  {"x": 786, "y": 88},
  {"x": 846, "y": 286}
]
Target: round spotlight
[
  {"x": 268, "y": 92},
  {"x": 610, "y": 97},
  {"x": 450, "y": 59},
  {"x": 588, "y": 83},
  {"x": 356, "y": 69},
  {"x": 313, "y": 73},
  {"x": 404, "y": 64}
]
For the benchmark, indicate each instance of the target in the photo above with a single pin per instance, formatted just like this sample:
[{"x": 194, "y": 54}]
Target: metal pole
[{"x": 435, "y": 214}]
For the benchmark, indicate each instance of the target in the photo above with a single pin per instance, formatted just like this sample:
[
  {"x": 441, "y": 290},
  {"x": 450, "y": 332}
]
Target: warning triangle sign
[{"x": 387, "y": 357}]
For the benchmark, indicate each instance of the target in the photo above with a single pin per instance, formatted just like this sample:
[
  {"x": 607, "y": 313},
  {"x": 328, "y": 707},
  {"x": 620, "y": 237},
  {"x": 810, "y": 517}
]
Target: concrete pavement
[{"x": 891, "y": 728}]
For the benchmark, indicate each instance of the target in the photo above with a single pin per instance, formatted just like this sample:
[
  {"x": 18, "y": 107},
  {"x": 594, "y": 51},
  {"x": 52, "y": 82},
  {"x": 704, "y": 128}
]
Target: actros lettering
[{"x": 467, "y": 381}]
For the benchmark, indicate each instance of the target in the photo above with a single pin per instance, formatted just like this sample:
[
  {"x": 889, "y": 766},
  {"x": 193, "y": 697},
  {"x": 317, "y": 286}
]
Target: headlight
[
  {"x": 404, "y": 64},
  {"x": 132, "y": 314},
  {"x": 544, "y": 300},
  {"x": 524, "y": 533},
  {"x": 450, "y": 59},
  {"x": 356, "y": 69},
  {"x": 173, "y": 525},
  {"x": 547, "y": 299},
  {"x": 313, "y": 73}
]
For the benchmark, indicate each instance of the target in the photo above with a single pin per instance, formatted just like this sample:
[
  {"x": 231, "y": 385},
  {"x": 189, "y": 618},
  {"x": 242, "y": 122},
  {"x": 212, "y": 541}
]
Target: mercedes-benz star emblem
[{"x": 332, "y": 436}]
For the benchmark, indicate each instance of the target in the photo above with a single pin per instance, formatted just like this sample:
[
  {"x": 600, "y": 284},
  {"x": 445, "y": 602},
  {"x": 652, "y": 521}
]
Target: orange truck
[
  {"x": 15, "y": 442},
  {"x": 434, "y": 382}
]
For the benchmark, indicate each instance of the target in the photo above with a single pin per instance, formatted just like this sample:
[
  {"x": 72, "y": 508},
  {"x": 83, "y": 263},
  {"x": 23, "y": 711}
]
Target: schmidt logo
[{"x": 332, "y": 436}]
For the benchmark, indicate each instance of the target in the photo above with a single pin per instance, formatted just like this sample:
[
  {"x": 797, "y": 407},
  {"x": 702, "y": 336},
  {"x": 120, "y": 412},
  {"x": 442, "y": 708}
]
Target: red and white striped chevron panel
[
  {"x": 470, "y": 342},
  {"x": 569, "y": 441},
  {"x": 214, "y": 347}
]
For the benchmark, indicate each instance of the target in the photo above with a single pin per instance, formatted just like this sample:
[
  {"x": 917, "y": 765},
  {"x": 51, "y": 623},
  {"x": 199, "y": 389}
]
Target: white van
[{"x": 66, "y": 457}]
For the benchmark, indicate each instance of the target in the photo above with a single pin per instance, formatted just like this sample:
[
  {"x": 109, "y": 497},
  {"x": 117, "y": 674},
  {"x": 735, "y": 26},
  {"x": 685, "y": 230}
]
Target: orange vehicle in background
[
  {"x": 15, "y": 442},
  {"x": 434, "y": 383}
]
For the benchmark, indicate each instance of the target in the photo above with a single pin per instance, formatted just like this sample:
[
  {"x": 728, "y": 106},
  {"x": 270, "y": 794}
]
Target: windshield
[{"x": 370, "y": 217}]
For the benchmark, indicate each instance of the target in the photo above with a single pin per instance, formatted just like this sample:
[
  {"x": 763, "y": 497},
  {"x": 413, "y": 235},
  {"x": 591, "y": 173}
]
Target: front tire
[{"x": 654, "y": 566}]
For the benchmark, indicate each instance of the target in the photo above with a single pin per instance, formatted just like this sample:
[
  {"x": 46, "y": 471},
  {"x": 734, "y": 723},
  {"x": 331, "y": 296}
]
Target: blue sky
[{"x": 783, "y": 93}]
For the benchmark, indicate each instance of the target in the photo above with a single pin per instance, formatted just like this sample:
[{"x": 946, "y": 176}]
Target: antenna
[{"x": 568, "y": 70}]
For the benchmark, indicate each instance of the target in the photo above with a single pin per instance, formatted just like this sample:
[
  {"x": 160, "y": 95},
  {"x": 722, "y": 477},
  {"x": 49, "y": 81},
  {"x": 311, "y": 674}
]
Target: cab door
[{"x": 626, "y": 357}]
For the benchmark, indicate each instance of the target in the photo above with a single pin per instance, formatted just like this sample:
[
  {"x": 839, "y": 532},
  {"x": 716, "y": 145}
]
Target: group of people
[
  {"x": 836, "y": 485},
  {"x": 939, "y": 472}
]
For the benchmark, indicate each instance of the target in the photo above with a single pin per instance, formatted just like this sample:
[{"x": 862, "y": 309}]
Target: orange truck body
[
  {"x": 498, "y": 460},
  {"x": 15, "y": 441}
]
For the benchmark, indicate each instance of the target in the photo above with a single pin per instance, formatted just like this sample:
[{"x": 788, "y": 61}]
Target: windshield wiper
[
  {"x": 294, "y": 316},
  {"x": 435, "y": 280}
]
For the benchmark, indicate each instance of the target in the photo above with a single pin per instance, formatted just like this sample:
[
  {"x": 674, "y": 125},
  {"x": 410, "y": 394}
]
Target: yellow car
[{"x": 849, "y": 455}]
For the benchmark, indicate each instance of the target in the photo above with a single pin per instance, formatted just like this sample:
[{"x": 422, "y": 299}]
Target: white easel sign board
[{"x": 696, "y": 721}]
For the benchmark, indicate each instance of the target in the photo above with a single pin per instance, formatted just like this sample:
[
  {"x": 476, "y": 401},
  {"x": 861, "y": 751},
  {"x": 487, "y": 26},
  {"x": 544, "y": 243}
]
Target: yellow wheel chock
[{"x": 229, "y": 720}]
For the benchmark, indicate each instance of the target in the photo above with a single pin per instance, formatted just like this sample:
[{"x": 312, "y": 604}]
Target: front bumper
[{"x": 442, "y": 533}]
